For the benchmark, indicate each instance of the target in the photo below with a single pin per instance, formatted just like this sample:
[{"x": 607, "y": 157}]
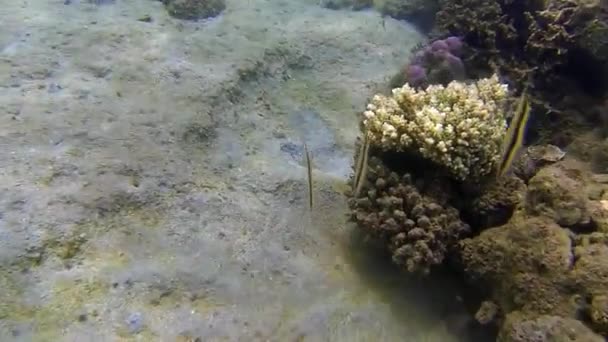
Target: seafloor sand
[{"x": 152, "y": 183}]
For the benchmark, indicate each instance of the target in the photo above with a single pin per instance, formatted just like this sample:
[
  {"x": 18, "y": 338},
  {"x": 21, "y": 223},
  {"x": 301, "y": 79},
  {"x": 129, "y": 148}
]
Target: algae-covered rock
[
  {"x": 419, "y": 12},
  {"x": 496, "y": 203},
  {"x": 599, "y": 215},
  {"x": 519, "y": 328},
  {"x": 525, "y": 263},
  {"x": 194, "y": 9},
  {"x": 599, "y": 313},
  {"x": 539, "y": 273},
  {"x": 590, "y": 271},
  {"x": 558, "y": 192}
]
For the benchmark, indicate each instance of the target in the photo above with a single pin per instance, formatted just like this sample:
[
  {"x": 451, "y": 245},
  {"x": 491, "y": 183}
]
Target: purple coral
[
  {"x": 454, "y": 45},
  {"x": 438, "y": 61},
  {"x": 415, "y": 74},
  {"x": 454, "y": 65},
  {"x": 439, "y": 45}
]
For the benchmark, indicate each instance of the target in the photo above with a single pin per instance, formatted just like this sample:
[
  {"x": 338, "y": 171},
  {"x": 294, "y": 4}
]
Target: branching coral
[{"x": 459, "y": 127}]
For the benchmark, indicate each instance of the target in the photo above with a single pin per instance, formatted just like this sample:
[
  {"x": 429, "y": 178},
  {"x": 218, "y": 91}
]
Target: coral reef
[
  {"x": 544, "y": 268},
  {"x": 194, "y": 9},
  {"x": 542, "y": 41},
  {"x": 420, "y": 142},
  {"x": 459, "y": 127}
]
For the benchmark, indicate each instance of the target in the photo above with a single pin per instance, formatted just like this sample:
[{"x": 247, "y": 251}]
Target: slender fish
[
  {"x": 309, "y": 169},
  {"x": 361, "y": 166},
  {"x": 515, "y": 134}
]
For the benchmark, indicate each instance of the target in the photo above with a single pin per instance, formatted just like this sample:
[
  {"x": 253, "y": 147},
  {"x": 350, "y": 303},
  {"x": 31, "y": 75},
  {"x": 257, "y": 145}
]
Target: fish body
[
  {"x": 309, "y": 172},
  {"x": 361, "y": 166},
  {"x": 514, "y": 137}
]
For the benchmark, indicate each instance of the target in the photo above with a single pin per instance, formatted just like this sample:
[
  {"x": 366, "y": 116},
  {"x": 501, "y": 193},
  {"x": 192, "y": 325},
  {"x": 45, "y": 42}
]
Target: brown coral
[{"x": 418, "y": 227}]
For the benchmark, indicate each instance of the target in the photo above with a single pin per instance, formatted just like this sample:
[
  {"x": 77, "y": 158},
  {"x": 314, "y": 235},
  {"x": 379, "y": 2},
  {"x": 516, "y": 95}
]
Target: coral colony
[
  {"x": 460, "y": 127},
  {"x": 439, "y": 61}
]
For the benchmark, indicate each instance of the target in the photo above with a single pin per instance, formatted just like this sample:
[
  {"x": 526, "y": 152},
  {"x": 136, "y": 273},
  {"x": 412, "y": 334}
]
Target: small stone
[
  {"x": 487, "y": 312},
  {"x": 146, "y": 18},
  {"x": 135, "y": 323}
]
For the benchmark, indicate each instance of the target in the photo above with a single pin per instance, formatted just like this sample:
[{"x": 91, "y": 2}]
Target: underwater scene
[{"x": 304, "y": 170}]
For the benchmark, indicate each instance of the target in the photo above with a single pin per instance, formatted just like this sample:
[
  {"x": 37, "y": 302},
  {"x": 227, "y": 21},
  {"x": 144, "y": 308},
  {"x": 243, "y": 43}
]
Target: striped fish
[
  {"x": 361, "y": 166},
  {"x": 514, "y": 137}
]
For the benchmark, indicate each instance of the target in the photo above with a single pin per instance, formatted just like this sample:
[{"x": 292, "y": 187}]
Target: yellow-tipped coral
[{"x": 460, "y": 126}]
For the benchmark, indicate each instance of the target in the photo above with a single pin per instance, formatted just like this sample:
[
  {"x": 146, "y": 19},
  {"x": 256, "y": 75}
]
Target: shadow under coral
[{"x": 442, "y": 294}]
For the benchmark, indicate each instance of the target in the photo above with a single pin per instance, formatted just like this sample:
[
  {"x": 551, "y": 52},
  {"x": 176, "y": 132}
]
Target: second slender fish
[{"x": 514, "y": 137}]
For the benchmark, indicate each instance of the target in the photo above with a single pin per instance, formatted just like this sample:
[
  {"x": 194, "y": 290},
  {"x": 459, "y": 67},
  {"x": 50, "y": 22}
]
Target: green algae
[
  {"x": 106, "y": 260},
  {"x": 67, "y": 300}
]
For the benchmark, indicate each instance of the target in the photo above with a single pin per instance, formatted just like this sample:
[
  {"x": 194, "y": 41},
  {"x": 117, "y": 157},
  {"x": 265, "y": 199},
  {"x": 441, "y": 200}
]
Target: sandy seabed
[{"x": 152, "y": 180}]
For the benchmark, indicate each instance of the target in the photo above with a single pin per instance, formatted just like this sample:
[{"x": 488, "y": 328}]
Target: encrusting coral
[{"x": 460, "y": 127}]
